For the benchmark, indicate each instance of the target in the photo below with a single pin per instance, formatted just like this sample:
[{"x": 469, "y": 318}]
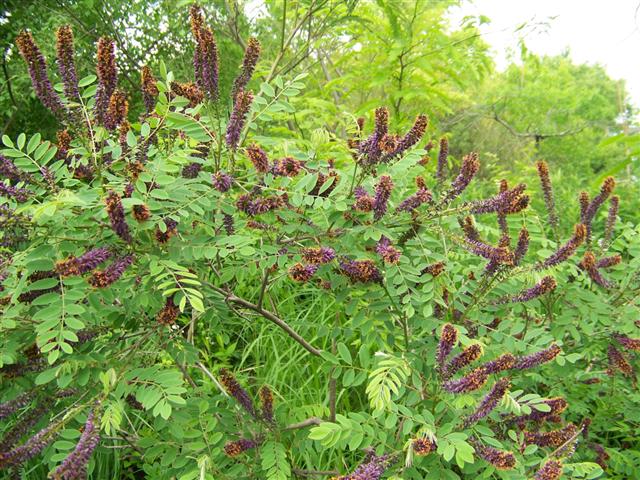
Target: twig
[{"x": 304, "y": 424}]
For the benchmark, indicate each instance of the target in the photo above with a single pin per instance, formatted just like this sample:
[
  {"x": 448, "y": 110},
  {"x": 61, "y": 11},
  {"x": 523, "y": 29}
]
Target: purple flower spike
[
  {"x": 237, "y": 447},
  {"x": 31, "y": 448},
  {"x": 234, "y": 389},
  {"x": 84, "y": 263},
  {"x": 222, "y": 181},
  {"x": 551, "y": 470},
  {"x": 470, "y": 382},
  {"x": 238, "y": 117},
  {"x": 387, "y": 252},
  {"x": 74, "y": 467},
  {"x": 318, "y": 255},
  {"x": 468, "y": 170},
  {"x": 251, "y": 56},
  {"x": 383, "y": 192},
  {"x": 116, "y": 216},
  {"x": 66, "y": 63},
  {"x": 10, "y": 407},
  {"x": 107, "y": 76},
  {"x": 111, "y": 274},
  {"x": 538, "y": 358},
  {"x": 38, "y": 71},
  {"x": 448, "y": 340},
  {"x": 489, "y": 402},
  {"x": 20, "y": 195}
]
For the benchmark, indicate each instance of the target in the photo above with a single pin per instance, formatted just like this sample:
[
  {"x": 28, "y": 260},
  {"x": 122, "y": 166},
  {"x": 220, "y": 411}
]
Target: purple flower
[
  {"x": 612, "y": 216},
  {"x": 500, "y": 255},
  {"x": 568, "y": 249},
  {"x": 506, "y": 202},
  {"x": 545, "y": 181},
  {"x": 116, "y": 111},
  {"x": 360, "y": 271},
  {"x": 74, "y": 467},
  {"x": 222, "y": 181},
  {"x": 618, "y": 361},
  {"x": 470, "y": 354},
  {"x": 470, "y": 382},
  {"x": 489, "y": 402},
  {"x": 369, "y": 149},
  {"x": 443, "y": 154},
  {"x": 107, "y": 76},
  {"x": 469, "y": 228},
  {"x": 234, "y": 389},
  {"x": 608, "y": 262},
  {"x": 383, "y": 192},
  {"x": 116, "y": 216},
  {"x": 191, "y": 170},
  {"x": 286, "y": 167},
  {"x": 422, "y": 195},
  {"x": 551, "y": 470},
  {"x": 627, "y": 342},
  {"x": 251, "y": 55},
  {"x": 536, "y": 359},
  {"x": 266, "y": 399},
  {"x": 605, "y": 191},
  {"x": 413, "y": 136},
  {"x": 66, "y": 63},
  {"x": 237, "y": 447},
  {"x": 237, "y": 120},
  {"x": 20, "y": 195},
  {"x": 38, "y": 72},
  {"x": 111, "y": 274},
  {"x": 259, "y": 158},
  {"x": 553, "y": 438},
  {"x": 522, "y": 246},
  {"x": 364, "y": 202},
  {"x": 371, "y": 469},
  {"x": 23, "y": 424},
  {"x": 302, "y": 273},
  {"x": 500, "y": 459},
  {"x": 10, "y": 407},
  {"x": 205, "y": 58},
  {"x": 448, "y": 340},
  {"x": 589, "y": 265},
  {"x": 150, "y": 90},
  {"x": 546, "y": 285},
  {"x": 32, "y": 447},
  {"x": 227, "y": 221},
  {"x": 500, "y": 364},
  {"x": 318, "y": 255},
  {"x": 468, "y": 170},
  {"x": 84, "y": 263},
  {"x": 387, "y": 252},
  {"x": 9, "y": 170}
]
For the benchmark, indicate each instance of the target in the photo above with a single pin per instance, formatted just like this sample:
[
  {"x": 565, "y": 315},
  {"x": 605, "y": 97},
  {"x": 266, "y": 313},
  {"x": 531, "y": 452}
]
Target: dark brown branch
[{"x": 537, "y": 136}]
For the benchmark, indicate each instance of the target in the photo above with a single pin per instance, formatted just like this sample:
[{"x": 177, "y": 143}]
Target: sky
[{"x": 594, "y": 31}]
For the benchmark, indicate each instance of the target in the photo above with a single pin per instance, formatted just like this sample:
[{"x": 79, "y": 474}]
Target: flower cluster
[
  {"x": 249, "y": 62},
  {"x": 66, "y": 63},
  {"x": 371, "y": 469},
  {"x": 286, "y": 167},
  {"x": 258, "y": 158},
  {"x": 111, "y": 274},
  {"x": 553, "y": 438},
  {"x": 627, "y": 342},
  {"x": 20, "y": 195},
  {"x": 116, "y": 216},
  {"x": 469, "y": 168},
  {"x": 141, "y": 212},
  {"x": 84, "y": 263},
  {"x": 588, "y": 210},
  {"x": 205, "y": 57},
  {"x": 489, "y": 402},
  {"x": 300, "y": 272},
  {"x": 234, "y": 389},
  {"x": 237, "y": 447},
  {"x": 443, "y": 155},
  {"x": 266, "y": 399},
  {"x": 556, "y": 405},
  {"x": 546, "y": 285},
  {"x": 11, "y": 406},
  {"x": 547, "y": 191},
  {"x": 364, "y": 201},
  {"x": 618, "y": 361},
  {"x": 468, "y": 355},
  {"x": 38, "y": 72},
  {"x": 222, "y": 181},
  {"x": 74, "y": 467},
  {"x": 360, "y": 271},
  {"x": 107, "y": 76},
  {"x": 257, "y": 205},
  {"x": 318, "y": 255},
  {"x": 383, "y": 192},
  {"x": 168, "y": 313},
  {"x": 590, "y": 265},
  {"x": 504, "y": 203},
  {"x": 568, "y": 249},
  {"x": 422, "y": 196},
  {"x": 190, "y": 91},
  {"x": 387, "y": 252},
  {"x": 500, "y": 459},
  {"x": 150, "y": 90},
  {"x": 551, "y": 470},
  {"x": 170, "y": 230},
  {"x": 536, "y": 359},
  {"x": 423, "y": 446},
  {"x": 241, "y": 106}
]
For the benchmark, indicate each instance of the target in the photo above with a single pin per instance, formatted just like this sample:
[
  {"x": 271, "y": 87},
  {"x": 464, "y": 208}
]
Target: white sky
[{"x": 594, "y": 31}]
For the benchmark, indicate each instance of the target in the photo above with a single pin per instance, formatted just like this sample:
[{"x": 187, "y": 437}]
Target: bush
[{"x": 214, "y": 301}]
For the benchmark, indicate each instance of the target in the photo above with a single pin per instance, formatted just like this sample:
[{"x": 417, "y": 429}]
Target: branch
[
  {"x": 277, "y": 320},
  {"x": 537, "y": 136},
  {"x": 303, "y": 424}
]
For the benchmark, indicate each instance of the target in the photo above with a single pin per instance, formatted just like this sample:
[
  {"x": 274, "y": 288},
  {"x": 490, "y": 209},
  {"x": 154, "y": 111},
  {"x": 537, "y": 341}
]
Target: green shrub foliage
[{"x": 195, "y": 293}]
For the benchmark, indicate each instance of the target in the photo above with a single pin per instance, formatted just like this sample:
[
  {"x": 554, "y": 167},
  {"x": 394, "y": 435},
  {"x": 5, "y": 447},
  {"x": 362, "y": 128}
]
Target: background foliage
[{"x": 351, "y": 365}]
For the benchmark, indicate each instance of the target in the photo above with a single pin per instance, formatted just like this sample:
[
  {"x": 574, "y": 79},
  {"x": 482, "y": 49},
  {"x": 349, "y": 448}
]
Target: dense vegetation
[{"x": 328, "y": 241}]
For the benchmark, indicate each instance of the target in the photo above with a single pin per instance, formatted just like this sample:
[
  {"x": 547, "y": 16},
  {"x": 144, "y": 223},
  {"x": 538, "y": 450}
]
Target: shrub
[{"x": 221, "y": 302}]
